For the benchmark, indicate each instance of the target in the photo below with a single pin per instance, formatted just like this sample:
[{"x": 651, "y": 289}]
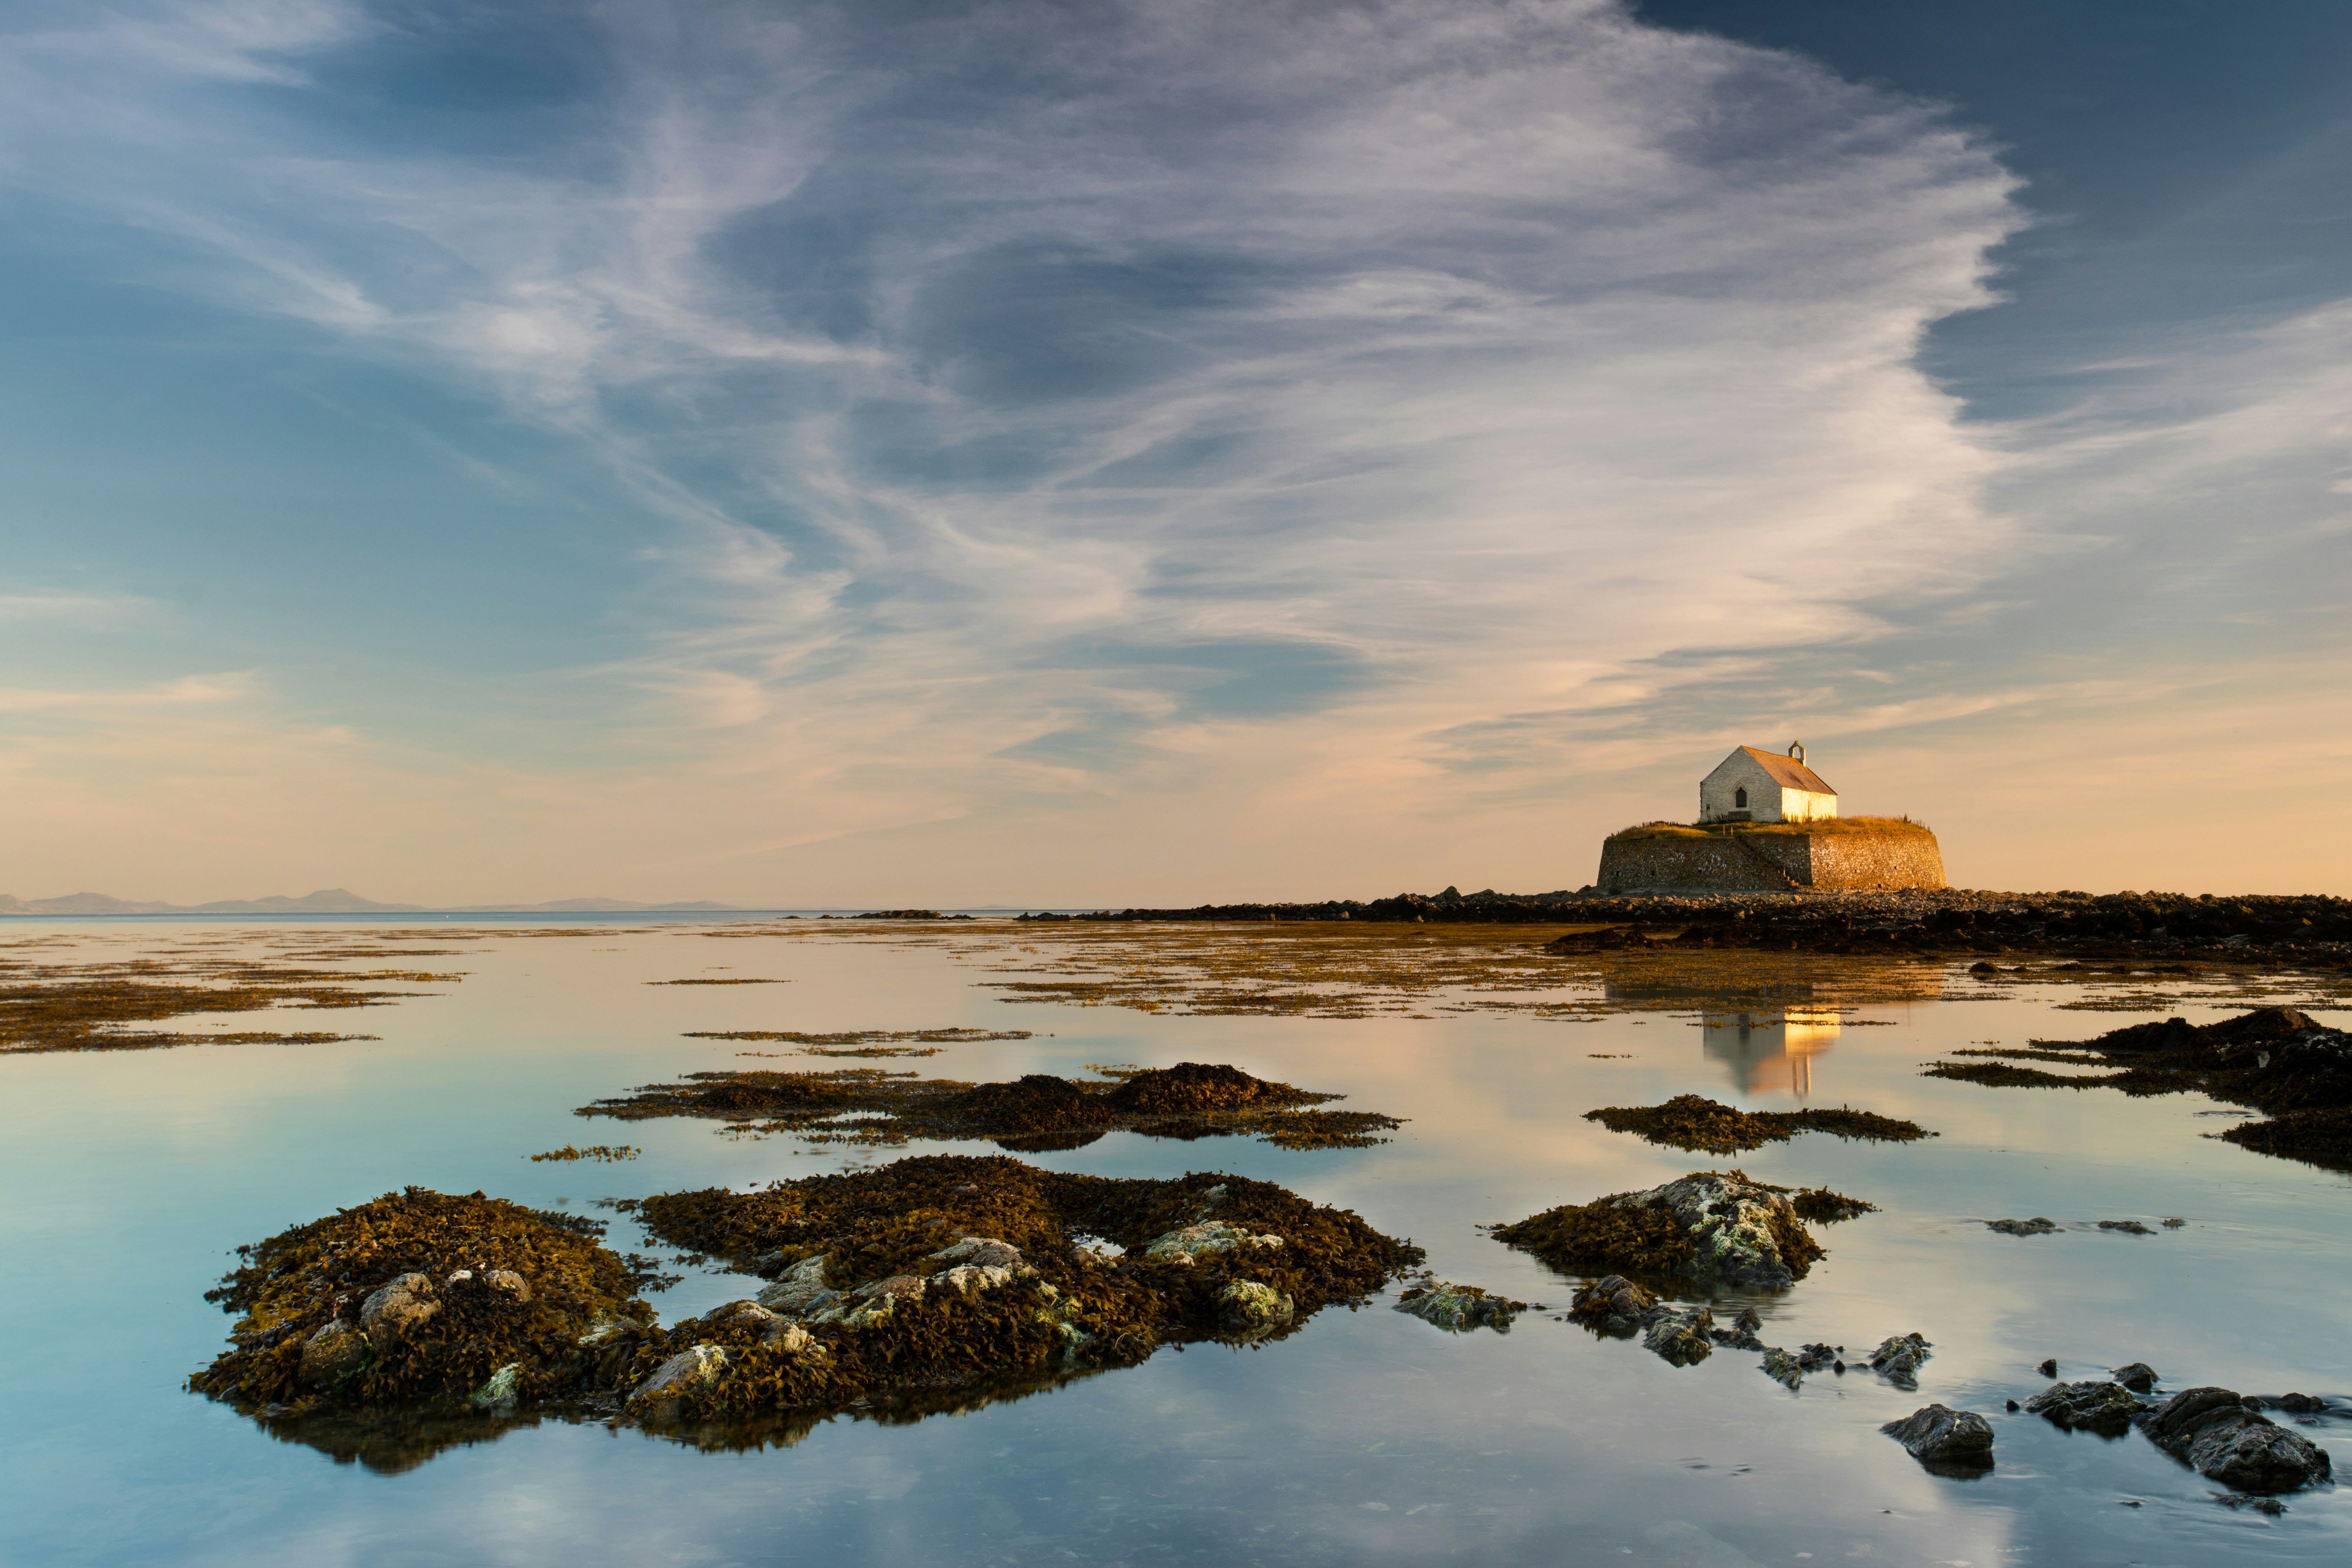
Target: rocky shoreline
[{"x": 2303, "y": 930}]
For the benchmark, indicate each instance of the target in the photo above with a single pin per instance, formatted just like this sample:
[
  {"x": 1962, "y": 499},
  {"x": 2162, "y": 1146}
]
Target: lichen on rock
[{"x": 1458, "y": 1309}]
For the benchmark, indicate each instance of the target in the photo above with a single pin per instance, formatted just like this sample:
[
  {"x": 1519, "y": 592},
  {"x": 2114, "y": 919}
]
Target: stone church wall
[{"x": 1769, "y": 862}]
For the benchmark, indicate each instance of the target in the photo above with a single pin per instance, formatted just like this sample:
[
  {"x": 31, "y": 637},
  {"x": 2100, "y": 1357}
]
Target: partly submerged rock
[
  {"x": 1680, "y": 1337},
  {"x": 1614, "y": 1305},
  {"x": 1897, "y": 1359},
  {"x": 1251, "y": 1307},
  {"x": 2213, "y": 1432},
  {"x": 1460, "y": 1308},
  {"x": 1942, "y": 1437},
  {"x": 2034, "y": 1227},
  {"x": 2127, "y": 1227},
  {"x": 1714, "y": 1227},
  {"x": 1741, "y": 1332},
  {"x": 1791, "y": 1366},
  {"x": 2094, "y": 1405},
  {"x": 2138, "y": 1377}
]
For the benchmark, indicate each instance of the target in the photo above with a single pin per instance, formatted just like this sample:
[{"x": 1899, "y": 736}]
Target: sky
[{"x": 1076, "y": 452}]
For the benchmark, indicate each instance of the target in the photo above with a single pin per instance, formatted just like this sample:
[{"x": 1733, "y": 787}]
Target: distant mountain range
[{"x": 326, "y": 901}]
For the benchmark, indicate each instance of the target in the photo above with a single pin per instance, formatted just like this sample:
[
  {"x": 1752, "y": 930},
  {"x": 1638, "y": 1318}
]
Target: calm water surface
[{"x": 1366, "y": 1437}]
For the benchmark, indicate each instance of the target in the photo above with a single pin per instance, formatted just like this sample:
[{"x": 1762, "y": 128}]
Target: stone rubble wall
[{"x": 1771, "y": 862}]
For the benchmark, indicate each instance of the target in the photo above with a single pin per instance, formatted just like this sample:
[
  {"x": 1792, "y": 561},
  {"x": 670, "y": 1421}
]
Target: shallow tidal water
[{"x": 1367, "y": 1437}]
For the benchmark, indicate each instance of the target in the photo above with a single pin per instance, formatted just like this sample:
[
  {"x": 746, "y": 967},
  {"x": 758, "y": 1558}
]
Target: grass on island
[{"x": 1897, "y": 826}]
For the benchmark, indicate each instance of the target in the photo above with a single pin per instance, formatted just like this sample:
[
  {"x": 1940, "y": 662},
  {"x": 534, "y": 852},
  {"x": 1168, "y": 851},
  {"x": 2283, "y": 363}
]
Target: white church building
[{"x": 1752, "y": 785}]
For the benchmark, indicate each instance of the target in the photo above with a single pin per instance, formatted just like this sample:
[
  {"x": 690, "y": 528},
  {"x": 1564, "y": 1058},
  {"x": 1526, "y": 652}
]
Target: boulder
[
  {"x": 984, "y": 1252},
  {"x": 2211, "y": 1430},
  {"x": 499, "y": 1391},
  {"x": 2093, "y": 1404},
  {"x": 1680, "y": 1337},
  {"x": 1741, "y": 1334},
  {"x": 1790, "y": 1366},
  {"x": 871, "y": 1303},
  {"x": 1460, "y": 1308},
  {"x": 396, "y": 1306},
  {"x": 337, "y": 1349},
  {"x": 1614, "y": 1305},
  {"x": 1939, "y": 1437},
  {"x": 1897, "y": 1359},
  {"x": 1253, "y": 1308},
  {"x": 750, "y": 1315},
  {"x": 1206, "y": 1239},
  {"x": 797, "y": 1293},
  {"x": 509, "y": 1284},
  {"x": 791, "y": 1338},
  {"x": 2138, "y": 1377},
  {"x": 966, "y": 1279},
  {"x": 688, "y": 1367}
]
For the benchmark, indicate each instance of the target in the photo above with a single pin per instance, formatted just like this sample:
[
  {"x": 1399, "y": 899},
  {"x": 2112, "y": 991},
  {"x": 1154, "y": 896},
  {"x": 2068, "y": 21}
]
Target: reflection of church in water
[{"x": 1771, "y": 1049}]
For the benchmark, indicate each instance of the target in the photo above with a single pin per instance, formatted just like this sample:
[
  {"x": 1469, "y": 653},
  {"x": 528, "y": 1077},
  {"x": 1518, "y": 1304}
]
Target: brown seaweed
[
  {"x": 1694, "y": 1122},
  {"x": 1037, "y": 1112},
  {"x": 387, "y": 1330}
]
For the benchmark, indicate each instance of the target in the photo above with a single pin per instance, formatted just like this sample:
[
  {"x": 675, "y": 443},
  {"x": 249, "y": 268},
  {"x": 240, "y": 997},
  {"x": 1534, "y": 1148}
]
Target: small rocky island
[{"x": 1769, "y": 823}]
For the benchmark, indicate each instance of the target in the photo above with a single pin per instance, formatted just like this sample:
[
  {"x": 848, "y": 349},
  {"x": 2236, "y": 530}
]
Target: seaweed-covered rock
[
  {"x": 343, "y": 1311},
  {"x": 986, "y": 1271},
  {"x": 1790, "y": 1366},
  {"x": 1714, "y": 1227},
  {"x": 2094, "y": 1405},
  {"x": 2213, "y": 1432},
  {"x": 1939, "y": 1437},
  {"x": 1614, "y": 1306},
  {"x": 1696, "y": 1122},
  {"x": 1897, "y": 1359},
  {"x": 1037, "y": 1111},
  {"x": 1741, "y": 1332},
  {"x": 1680, "y": 1337},
  {"x": 962, "y": 1281},
  {"x": 1460, "y": 1308}
]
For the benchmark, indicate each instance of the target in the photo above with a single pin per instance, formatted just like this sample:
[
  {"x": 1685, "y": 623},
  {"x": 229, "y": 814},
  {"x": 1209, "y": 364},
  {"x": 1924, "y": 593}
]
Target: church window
[{"x": 1739, "y": 798}]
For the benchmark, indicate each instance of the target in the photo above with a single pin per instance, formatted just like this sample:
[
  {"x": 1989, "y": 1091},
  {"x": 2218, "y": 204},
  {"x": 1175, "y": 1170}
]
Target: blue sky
[{"x": 1080, "y": 452}]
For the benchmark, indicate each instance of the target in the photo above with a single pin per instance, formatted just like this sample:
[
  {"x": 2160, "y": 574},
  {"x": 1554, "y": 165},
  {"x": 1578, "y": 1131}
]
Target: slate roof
[{"x": 1790, "y": 773}]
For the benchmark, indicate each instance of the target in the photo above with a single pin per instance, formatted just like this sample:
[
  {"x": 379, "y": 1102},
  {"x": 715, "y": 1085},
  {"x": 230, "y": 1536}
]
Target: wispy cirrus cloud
[{"x": 1167, "y": 409}]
